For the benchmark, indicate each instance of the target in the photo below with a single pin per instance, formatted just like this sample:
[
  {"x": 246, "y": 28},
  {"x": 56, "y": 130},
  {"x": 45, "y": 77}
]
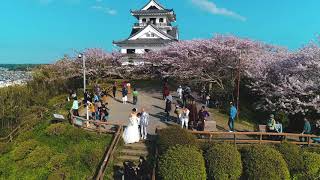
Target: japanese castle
[{"x": 152, "y": 31}]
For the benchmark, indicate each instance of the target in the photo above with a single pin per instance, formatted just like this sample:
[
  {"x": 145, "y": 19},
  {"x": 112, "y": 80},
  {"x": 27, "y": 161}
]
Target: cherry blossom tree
[
  {"x": 98, "y": 63},
  {"x": 215, "y": 60},
  {"x": 292, "y": 84},
  {"x": 280, "y": 79}
]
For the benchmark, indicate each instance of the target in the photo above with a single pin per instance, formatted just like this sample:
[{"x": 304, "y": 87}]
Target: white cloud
[
  {"x": 105, "y": 10},
  {"x": 212, "y": 8}
]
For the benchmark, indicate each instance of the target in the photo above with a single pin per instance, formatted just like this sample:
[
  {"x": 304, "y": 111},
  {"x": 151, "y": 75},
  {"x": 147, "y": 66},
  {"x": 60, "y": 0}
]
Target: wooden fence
[
  {"x": 256, "y": 137},
  {"x": 108, "y": 155},
  {"x": 15, "y": 132}
]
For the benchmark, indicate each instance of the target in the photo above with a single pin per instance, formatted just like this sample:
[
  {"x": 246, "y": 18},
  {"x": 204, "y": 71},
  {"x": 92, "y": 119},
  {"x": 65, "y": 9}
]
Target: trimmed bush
[
  {"x": 182, "y": 162},
  {"x": 311, "y": 165},
  {"x": 312, "y": 149},
  {"x": 223, "y": 161},
  {"x": 175, "y": 135},
  {"x": 292, "y": 154},
  {"x": 24, "y": 149},
  {"x": 56, "y": 129},
  {"x": 263, "y": 162}
]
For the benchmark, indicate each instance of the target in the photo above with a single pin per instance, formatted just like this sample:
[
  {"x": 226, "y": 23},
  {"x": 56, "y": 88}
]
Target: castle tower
[{"x": 152, "y": 31}]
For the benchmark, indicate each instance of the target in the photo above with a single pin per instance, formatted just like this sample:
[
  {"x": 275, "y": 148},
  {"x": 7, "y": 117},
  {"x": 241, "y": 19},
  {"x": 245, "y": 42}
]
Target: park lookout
[{"x": 153, "y": 30}]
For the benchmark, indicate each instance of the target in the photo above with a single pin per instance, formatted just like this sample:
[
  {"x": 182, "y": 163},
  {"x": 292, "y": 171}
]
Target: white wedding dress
[{"x": 131, "y": 133}]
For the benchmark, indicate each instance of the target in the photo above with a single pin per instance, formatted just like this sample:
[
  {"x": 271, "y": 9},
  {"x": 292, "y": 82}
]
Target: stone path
[{"x": 151, "y": 101}]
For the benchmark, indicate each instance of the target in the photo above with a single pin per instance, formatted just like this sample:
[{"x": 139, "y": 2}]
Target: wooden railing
[
  {"x": 14, "y": 133},
  {"x": 256, "y": 137},
  {"x": 108, "y": 155}
]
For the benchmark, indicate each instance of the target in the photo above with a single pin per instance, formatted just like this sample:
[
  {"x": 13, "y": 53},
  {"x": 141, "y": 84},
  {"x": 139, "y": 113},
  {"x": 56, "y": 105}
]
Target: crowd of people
[
  {"x": 186, "y": 107},
  {"x": 133, "y": 172},
  {"x": 96, "y": 103},
  {"x": 276, "y": 127}
]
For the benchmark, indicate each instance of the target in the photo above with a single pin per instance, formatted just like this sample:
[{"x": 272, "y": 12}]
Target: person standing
[
  {"x": 271, "y": 124},
  {"x": 92, "y": 110},
  {"x": 114, "y": 89},
  {"x": 168, "y": 107},
  {"x": 184, "y": 98},
  {"x": 203, "y": 115},
  {"x": 97, "y": 106},
  {"x": 131, "y": 133},
  {"x": 232, "y": 116},
  {"x": 178, "y": 112},
  {"x": 74, "y": 94},
  {"x": 184, "y": 118},
  {"x": 306, "y": 129},
  {"x": 135, "y": 94},
  {"x": 165, "y": 90},
  {"x": 208, "y": 100},
  {"x": 144, "y": 122},
  {"x": 124, "y": 95},
  {"x": 193, "y": 115},
  {"x": 96, "y": 98},
  {"x": 129, "y": 88},
  {"x": 142, "y": 170},
  {"x": 179, "y": 92},
  {"x": 86, "y": 97},
  {"x": 75, "y": 106}
]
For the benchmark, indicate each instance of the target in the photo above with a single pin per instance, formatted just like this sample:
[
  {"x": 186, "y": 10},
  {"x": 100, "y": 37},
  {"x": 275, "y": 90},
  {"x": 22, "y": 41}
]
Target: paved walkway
[{"x": 151, "y": 101}]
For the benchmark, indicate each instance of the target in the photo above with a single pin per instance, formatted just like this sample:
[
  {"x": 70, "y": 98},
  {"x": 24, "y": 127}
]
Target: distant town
[{"x": 15, "y": 74}]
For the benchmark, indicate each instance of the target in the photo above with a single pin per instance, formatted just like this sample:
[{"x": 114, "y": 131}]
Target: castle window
[
  {"x": 161, "y": 20},
  {"x": 144, "y": 20}
]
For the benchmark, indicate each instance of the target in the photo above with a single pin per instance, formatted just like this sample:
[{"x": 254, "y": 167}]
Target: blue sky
[{"x": 42, "y": 31}]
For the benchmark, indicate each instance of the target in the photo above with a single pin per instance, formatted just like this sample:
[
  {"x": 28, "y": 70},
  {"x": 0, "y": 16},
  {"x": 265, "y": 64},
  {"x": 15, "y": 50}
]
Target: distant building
[{"x": 152, "y": 31}]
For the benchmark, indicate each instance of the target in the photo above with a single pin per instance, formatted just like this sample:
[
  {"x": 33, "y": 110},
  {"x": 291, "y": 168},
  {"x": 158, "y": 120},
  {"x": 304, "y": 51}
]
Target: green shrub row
[{"x": 181, "y": 158}]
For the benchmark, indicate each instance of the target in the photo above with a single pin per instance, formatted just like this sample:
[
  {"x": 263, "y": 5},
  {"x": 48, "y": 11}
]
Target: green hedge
[
  {"x": 175, "y": 135},
  {"x": 311, "y": 165},
  {"x": 263, "y": 162},
  {"x": 312, "y": 149},
  {"x": 223, "y": 161},
  {"x": 292, "y": 154},
  {"x": 182, "y": 162}
]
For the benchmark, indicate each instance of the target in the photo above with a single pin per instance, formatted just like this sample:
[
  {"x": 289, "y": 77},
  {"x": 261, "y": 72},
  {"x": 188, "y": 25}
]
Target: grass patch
[
  {"x": 54, "y": 151},
  {"x": 222, "y": 122},
  {"x": 75, "y": 154}
]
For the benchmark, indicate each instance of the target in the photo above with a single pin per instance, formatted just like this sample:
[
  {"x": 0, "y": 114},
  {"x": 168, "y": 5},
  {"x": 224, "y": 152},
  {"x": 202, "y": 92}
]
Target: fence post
[
  {"x": 260, "y": 140},
  {"x": 234, "y": 138},
  {"x": 210, "y": 137},
  {"x": 309, "y": 140}
]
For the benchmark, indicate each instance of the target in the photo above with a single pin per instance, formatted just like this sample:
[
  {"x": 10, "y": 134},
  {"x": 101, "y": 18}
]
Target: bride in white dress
[{"x": 131, "y": 133}]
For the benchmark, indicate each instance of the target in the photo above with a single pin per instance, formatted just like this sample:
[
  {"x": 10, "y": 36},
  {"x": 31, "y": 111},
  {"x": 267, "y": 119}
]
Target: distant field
[{"x": 19, "y": 67}]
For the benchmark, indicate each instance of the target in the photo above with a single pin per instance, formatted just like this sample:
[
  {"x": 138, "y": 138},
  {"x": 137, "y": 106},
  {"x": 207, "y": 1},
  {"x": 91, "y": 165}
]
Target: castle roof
[{"x": 143, "y": 42}]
